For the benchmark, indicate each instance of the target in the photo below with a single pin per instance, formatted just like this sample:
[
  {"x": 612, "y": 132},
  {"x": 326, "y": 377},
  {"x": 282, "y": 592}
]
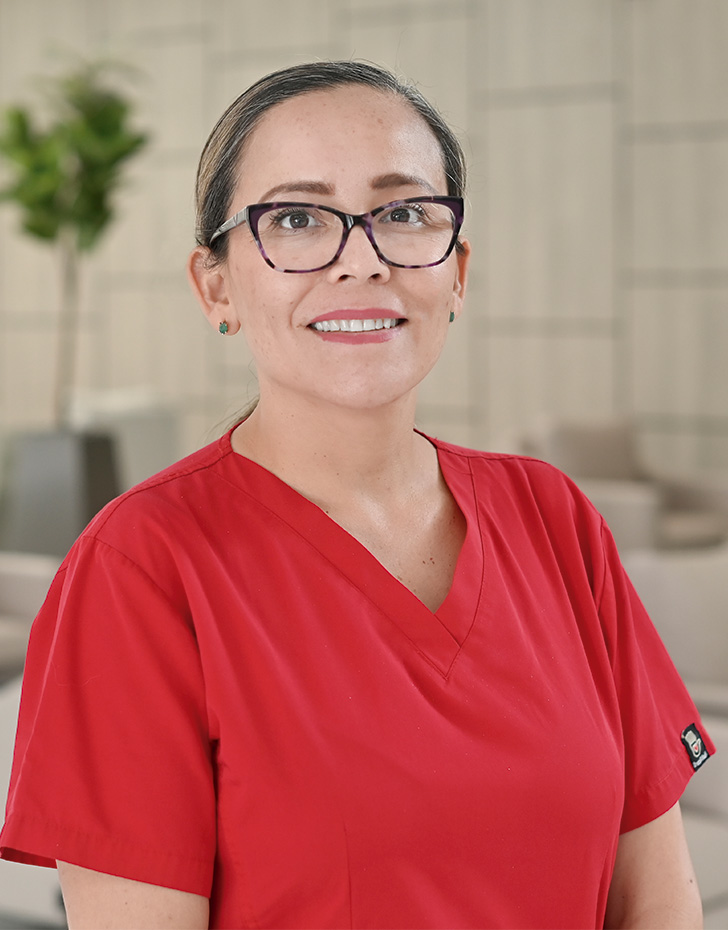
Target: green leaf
[{"x": 63, "y": 178}]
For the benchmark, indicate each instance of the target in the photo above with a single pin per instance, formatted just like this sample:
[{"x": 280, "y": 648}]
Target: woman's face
[{"x": 352, "y": 148}]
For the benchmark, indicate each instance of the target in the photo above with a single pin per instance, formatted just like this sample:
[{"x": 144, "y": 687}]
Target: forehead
[{"x": 340, "y": 136}]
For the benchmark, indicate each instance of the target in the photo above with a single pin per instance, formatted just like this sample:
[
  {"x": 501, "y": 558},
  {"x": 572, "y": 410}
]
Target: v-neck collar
[{"x": 437, "y": 636}]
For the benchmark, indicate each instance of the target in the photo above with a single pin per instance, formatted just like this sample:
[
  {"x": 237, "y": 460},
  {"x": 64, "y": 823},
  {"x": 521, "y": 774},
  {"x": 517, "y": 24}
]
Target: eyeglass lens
[{"x": 303, "y": 237}]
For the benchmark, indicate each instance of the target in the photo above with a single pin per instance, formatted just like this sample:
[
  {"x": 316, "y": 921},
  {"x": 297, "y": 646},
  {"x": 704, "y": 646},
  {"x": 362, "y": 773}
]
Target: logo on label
[{"x": 695, "y": 746}]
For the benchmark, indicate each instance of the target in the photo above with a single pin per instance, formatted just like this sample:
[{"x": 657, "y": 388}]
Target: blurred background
[
  {"x": 597, "y": 134},
  {"x": 597, "y": 138}
]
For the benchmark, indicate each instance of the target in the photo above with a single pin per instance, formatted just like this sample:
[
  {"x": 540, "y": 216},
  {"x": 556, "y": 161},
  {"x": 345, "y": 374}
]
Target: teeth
[{"x": 353, "y": 326}]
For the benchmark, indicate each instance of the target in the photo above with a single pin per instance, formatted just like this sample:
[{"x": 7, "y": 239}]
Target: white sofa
[
  {"x": 644, "y": 507},
  {"x": 686, "y": 594}
]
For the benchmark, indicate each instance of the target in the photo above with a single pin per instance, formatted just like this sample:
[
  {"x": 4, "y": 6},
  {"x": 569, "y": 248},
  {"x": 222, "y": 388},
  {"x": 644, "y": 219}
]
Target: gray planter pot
[{"x": 57, "y": 481}]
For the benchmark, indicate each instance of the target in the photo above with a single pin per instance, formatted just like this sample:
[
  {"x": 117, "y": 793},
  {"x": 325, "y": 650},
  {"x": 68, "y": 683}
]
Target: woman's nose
[{"x": 359, "y": 258}]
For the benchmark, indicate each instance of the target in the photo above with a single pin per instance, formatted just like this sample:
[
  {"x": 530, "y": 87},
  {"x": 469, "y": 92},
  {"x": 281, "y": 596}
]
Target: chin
[{"x": 372, "y": 400}]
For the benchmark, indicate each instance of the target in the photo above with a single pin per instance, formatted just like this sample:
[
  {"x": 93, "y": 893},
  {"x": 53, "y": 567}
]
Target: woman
[{"x": 328, "y": 672}]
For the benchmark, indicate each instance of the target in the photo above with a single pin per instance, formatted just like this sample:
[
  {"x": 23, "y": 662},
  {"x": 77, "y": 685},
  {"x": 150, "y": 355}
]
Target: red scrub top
[{"x": 226, "y": 693}]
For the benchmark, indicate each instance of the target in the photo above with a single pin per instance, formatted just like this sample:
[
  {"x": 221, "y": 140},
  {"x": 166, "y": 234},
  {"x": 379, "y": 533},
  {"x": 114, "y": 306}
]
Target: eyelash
[
  {"x": 289, "y": 211},
  {"x": 417, "y": 208}
]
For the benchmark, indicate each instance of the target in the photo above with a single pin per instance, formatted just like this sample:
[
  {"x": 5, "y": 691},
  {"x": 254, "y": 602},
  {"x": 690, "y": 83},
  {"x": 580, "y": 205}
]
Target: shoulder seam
[
  {"x": 497, "y": 456},
  {"x": 157, "y": 481},
  {"x": 102, "y": 542}
]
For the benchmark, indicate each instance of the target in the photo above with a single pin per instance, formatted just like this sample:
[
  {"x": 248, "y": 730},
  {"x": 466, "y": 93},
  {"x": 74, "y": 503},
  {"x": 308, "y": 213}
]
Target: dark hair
[{"x": 217, "y": 171}]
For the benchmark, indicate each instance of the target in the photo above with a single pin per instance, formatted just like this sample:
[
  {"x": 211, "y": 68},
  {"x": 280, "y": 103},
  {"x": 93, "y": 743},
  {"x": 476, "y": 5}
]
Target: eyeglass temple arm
[{"x": 240, "y": 217}]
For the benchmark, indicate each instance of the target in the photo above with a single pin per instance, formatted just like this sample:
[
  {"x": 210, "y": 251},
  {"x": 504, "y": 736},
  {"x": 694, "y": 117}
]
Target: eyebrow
[
  {"x": 292, "y": 187},
  {"x": 380, "y": 183},
  {"x": 395, "y": 179}
]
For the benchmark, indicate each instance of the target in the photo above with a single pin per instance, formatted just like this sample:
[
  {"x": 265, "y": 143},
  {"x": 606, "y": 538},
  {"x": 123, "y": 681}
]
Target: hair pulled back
[{"x": 217, "y": 171}]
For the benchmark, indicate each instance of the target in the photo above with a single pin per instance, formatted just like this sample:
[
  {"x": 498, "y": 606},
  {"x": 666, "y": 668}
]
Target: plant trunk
[{"x": 67, "y": 327}]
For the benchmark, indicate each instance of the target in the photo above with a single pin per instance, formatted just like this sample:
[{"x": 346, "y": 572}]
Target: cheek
[
  {"x": 268, "y": 311},
  {"x": 437, "y": 295},
  {"x": 261, "y": 300}
]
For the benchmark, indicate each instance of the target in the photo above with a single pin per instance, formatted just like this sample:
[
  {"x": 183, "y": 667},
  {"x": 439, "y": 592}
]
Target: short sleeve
[
  {"x": 655, "y": 708},
  {"x": 112, "y": 768}
]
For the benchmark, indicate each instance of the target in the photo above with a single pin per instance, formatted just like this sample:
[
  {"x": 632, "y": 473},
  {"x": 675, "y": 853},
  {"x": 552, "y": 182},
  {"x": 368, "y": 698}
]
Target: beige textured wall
[{"x": 598, "y": 138}]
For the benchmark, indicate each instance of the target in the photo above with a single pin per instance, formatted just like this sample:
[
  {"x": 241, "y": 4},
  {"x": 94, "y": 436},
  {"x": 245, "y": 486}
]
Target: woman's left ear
[
  {"x": 462, "y": 255},
  {"x": 209, "y": 285}
]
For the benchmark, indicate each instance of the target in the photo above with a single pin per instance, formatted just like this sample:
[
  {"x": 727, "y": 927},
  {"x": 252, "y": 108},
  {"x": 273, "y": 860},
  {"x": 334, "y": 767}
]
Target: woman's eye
[
  {"x": 298, "y": 220},
  {"x": 412, "y": 214},
  {"x": 292, "y": 219}
]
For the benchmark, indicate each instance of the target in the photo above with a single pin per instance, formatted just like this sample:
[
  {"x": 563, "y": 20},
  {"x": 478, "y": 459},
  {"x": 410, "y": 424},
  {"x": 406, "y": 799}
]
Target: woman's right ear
[{"x": 209, "y": 285}]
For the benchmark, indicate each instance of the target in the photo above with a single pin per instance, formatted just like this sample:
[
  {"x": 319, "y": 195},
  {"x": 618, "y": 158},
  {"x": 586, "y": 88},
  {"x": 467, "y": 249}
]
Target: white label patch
[{"x": 695, "y": 746}]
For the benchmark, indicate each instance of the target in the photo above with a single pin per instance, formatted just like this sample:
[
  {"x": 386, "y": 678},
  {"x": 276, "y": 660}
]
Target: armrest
[
  {"x": 14, "y": 635},
  {"x": 711, "y": 698},
  {"x": 24, "y": 582},
  {"x": 706, "y": 490},
  {"x": 631, "y": 509}
]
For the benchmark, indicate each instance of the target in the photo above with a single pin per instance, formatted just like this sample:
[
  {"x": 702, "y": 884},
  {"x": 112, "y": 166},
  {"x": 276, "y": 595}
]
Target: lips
[{"x": 357, "y": 327}]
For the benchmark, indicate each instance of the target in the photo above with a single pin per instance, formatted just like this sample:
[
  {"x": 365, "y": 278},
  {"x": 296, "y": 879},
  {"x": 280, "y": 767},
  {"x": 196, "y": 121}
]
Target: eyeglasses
[{"x": 300, "y": 237}]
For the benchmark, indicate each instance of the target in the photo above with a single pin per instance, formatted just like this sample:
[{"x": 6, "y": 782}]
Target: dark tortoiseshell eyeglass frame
[{"x": 252, "y": 214}]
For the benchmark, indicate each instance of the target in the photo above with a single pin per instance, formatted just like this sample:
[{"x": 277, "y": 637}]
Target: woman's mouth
[{"x": 355, "y": 326}]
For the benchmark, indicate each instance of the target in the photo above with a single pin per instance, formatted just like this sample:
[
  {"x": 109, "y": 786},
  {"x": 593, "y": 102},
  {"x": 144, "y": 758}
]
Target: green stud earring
[
  {"x": 223, "y": 327},
  {"x": 452, "y": 315}
]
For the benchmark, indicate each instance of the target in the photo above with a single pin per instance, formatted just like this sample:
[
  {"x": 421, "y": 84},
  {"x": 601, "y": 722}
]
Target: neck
[{"x": 329, "y": 453}]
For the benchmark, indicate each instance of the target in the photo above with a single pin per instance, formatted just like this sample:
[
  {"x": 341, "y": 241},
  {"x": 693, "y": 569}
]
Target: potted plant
[{"x": 63, "y": 178}]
